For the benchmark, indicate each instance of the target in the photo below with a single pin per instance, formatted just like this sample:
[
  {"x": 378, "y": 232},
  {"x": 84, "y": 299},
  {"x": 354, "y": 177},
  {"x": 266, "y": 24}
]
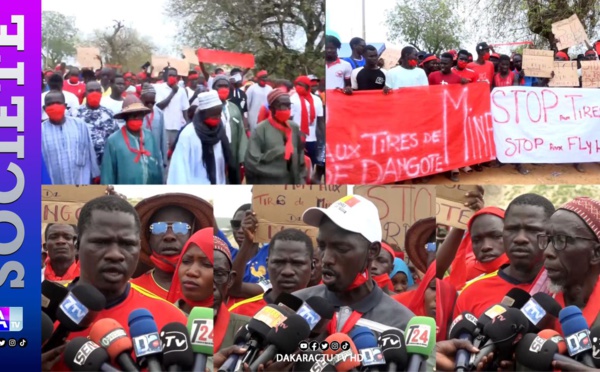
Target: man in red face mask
[
  {"x": 482, "y": 66},
  {"x": 275, "y": 153},
  {"x": 99, "y": 119},
  {"x": 461, "y": 68},
  {"x": 73, "y": 85},
  {"x": 257, "y": 97},
  {"x": 407, "y": 74},
  {"x": 174, "y": 103},
  {"x": 131, "y": 156},
  {"x": 66, "y": 144}
]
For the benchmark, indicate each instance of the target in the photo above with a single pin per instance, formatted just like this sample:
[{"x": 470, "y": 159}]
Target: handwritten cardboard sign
[
  {"x": 590, "y": 73},
  {"x": 62, "y": 204},
  {"x": 554, "y": 125},
  {"x": 450, "y": 205},
  {"x": 399, "y": 206},
  {"x": 431, "y": 130},
  {"x": 281, "y": 207},
  {"x": 190, "y": 56},
  {"x": 569, "y": 32},
  {"x": 160, "y": 62},
  {"x": 88, "y": 58},
  {"x": 538, "y": 63},
  {"x": 565, "y": 74}
]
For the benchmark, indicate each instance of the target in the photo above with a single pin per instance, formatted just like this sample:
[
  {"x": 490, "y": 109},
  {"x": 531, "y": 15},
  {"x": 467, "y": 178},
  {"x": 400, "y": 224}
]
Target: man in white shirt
[
  {"x": 173, "y": 101},
  {"x": 304, "y": 118},
  {"x": 338, "y": 71},
  {"x": 55, "y": 82},
  {"x": 114, "y": 101},
  {"x": 257, "y": 98},
  {"x": 407, "y": 74}
]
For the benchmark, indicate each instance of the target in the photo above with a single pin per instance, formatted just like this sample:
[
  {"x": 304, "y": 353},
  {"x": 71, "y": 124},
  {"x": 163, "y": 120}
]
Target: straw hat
[
  {"x": 132, "y": 105},
  {"x": 201, "y": 209},
  {"x": 416, "y": 239}
]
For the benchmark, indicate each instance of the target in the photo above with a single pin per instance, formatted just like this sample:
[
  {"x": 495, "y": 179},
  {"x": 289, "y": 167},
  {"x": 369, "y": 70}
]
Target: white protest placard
[
  {"x": 538, "y": 63},
  {"x": 533, "y": 125},
  {"x": 565, "y": 74},
  {"x": 569, "y": 32}
]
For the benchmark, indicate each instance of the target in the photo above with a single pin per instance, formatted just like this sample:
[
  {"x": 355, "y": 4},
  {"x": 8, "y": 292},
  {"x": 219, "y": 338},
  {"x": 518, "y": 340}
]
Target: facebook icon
[{"x": 11, "y": 319}]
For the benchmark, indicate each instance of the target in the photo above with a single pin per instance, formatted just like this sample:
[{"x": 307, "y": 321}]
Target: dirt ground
[{"x": 538, "y": 174}]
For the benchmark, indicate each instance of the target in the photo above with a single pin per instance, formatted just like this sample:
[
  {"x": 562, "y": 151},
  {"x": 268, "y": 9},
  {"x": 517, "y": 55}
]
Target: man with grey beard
[{"x": 572, "y": 256}]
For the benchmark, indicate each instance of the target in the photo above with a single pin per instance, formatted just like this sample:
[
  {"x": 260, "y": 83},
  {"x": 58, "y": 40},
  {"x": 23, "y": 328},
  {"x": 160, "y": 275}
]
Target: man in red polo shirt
[
  {"x": 482, "y": 66},
  {"x": 572, "y": 257},
  {"x": 109, "y": 249},
  {"x": 526, "y": 217}
]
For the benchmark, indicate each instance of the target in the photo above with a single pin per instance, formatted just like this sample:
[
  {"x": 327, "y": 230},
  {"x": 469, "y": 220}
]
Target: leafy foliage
[
  {"x": 501, "y": 195},
  {"x": 59, "y": 37},
  {"x": 429, "y": 25},
  {"x": 285, "y": 36}
]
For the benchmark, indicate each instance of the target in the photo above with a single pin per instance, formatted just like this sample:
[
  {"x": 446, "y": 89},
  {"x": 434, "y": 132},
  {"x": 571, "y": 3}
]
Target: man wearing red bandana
[
  {"x": 572, "y": 257},
  {"x": 482, "y": 66},
  {"x": 461, "y": 67},
  {"x": 257, "y": 97},
  {"x": 307, "y": 111},
  {"x": 61, "y": 264},
  {"x": 382, "y": 266},
  {"x": 407, "y": 74},
  {"x": 350, "y": 240},
  {"x": 73, "y": 85}
]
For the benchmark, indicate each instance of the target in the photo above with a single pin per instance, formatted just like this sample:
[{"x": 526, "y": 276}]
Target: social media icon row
[
  {"x": 324, "y": 345},
  {"x": 13, "y": 343}
]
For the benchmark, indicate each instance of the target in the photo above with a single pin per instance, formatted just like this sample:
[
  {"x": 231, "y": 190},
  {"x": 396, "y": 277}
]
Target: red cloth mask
[
  {"x": 135, "y": 125},
  {"x": 172, "y": 80},
  {"x": 283, "y": 115},
  {"x": 462, "y": 64},
  {"x": 261, "y": 83},
  {"x": 165, "y": 263},
  {"x": 223, "y": 93},
  {"x": 486, "y": 57},
  {"x": 302, "y": 91},
  {"x": 93, "y": 99},
  {"x": 212, "y": 122},
  {"x": 412, "y": 63},
  {"x": 56, "y": 112},
  {"x": 74, "y": 79}
]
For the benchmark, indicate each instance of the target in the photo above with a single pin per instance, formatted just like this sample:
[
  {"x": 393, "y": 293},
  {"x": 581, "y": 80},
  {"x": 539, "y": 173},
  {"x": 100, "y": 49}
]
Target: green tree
[
  {"x": 285, "y": 36},
  {"x": 59, "y": 37},
  {"x": 429, "y": 25},
  {"x": 124, "y": 46}
]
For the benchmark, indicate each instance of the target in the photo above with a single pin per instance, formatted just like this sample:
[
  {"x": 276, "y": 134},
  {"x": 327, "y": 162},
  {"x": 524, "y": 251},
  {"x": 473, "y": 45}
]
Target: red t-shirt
[
  {"x": 507, "y": 81},
  {"x": 466, "y": 73},
  {"x": 437, "y": 78},
  {"x": 147, "y": 282},
  {"x": 248, "y": 307},
  {"x": 77, "y": 89},
  {"x": 162, "y": 311},
  {"x": 483, "y": 72},
  {"x": 482, "y": 293}
]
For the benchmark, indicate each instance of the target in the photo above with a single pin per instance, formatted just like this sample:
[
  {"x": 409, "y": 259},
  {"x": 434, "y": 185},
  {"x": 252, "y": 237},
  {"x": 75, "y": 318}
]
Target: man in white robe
[{"x": 257, "y": 97}]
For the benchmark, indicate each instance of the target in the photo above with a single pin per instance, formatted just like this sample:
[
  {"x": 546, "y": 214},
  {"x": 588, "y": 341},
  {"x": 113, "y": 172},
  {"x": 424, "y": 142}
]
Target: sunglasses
[{"x": 179, "y": 228}]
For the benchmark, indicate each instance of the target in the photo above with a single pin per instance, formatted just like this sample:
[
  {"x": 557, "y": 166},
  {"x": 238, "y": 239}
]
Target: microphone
[
  {"x": 420, "y": 341},
  {"x": 595, "y": 336},
  {"x": 541, "y": 310},
  {"x": 82, "y": 354},
  {"x": 288, "y": 300},
  {"x": 146, "y": 341},
  {"x": 393, "y": 347},
  {"x": 76, "y": 313},
  {"x": 577, "y": 335},
  {"x": 325, "y": 311},
  {"x": 47, "y": 327},
  {"x": 504, "y": 330},
  {"x": 200, "y": 328},
  {"x": 111, "y": 335},
  {"x": 343, "y": 352},
  {"x": 177, "y": 353},
  {"x": 557, "y": 338},
  {"x": 283, "y": 338},
  {"x": 516, "y": 298},
  {"x": 537, "y": 354},
  {"x": 312, "y": 363},
  {"x": 367, "y": 346},
  {"x": 52, "y": 295},
  {"x": 463, "y": 327},
  {"x": 241, "y": 338}
]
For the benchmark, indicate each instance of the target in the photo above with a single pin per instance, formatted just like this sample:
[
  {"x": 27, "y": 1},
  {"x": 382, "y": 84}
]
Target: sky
[{"x": 147, "y": 17}]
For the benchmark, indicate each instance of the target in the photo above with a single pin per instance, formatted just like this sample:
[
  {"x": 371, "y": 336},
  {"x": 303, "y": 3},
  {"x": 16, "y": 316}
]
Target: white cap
[
  {"x": 353, "y": 213},
  {"x": 208, "y": 100}
]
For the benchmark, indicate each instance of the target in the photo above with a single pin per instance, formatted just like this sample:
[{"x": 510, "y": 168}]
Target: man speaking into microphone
[{"x": 349, "y": 240}]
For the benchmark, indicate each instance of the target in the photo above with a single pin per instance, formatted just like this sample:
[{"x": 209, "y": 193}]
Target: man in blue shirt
[{"x": 356, "y": 59}]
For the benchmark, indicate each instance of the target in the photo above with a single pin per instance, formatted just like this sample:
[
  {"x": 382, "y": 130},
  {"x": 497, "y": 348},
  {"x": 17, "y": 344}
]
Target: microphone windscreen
[
  {"x": 557, "y": 338},
  {"x": 265, "y": 319},
  {"x": 516, "y": 298},
  {"x": 392, "y": 345},
  {"x": 345, "y": 353},
  {"x": 505, "y": 328},
  {"x": 575, "y": 330},
  {"x": 111, "y": 335},
  {"x": 80, "y": 307},
  {"x": 287, "y": 335},
  {"x": 464, "y": 323},
  {"x": 363, "y": 337},
  {"x": 82, "y": 354},
  {"x": 200, "y": 328},
  {"x": 242, "y": 335},
  {"x": 176, "y": 346},
  {"x": 52, "y": 295},
  {"x": 289, "y": 300},
  {"x": 535, "y": 353},
  {"x": 144, "y": 333},
  {"x": 550, "y": 305},
  {"x": 420, "y": 335},
  {"x": 321, "y": 306},
  {"x": 47, "y": 327}
]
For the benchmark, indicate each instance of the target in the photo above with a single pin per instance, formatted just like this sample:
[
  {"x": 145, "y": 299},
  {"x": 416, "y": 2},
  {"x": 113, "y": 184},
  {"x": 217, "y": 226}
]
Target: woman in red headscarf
[
  {"x": 433, "y": 298},
  {"x": 192, "y": 284}
]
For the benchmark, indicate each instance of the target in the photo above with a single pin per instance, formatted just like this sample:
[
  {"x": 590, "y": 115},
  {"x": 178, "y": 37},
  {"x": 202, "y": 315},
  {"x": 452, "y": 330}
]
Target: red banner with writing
[
  {"x": 222, "y": 57},
  {"x": 374, "y": 138}
]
